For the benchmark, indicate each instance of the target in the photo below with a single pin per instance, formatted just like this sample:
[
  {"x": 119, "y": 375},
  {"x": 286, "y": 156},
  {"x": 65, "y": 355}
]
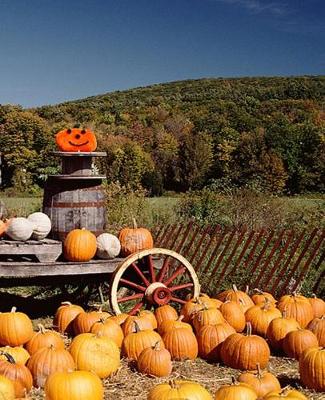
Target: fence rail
[{"x": 276, "y": 261}]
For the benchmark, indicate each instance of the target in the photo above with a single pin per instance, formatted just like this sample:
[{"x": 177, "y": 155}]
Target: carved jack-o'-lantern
[{"x": 76, "y": 140}]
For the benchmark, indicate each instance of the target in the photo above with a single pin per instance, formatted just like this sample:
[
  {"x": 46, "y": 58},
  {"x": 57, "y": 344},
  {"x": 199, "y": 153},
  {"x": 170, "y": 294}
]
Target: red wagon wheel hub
[{"x": 158, "y": 294}]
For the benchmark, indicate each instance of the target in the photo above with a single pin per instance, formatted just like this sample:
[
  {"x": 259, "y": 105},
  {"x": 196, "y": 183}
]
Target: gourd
[
  {"x": 312, "y": 368},
  {"x": 74, "y": 385},
  {"x": 262, "y": 382},
  {"x": 44, "y": 338},
  {"x": 155, "y": 360},
  {"x": 65, "y": 315},
  {"x": 16, "y": 328},
  {"x": 95, "y": 353},
  {"x": 108, "y": 246},
  {"x": 79, "y": 245},
  {"x": 41, "y": 225},
  {"x": 75, "y": 140},
  {"x": 179, "y": 389},
  {"x": 181, "y": 343},
  {"x": 236, "y": 391},
  {"x": 19, "y": 229},
  {"x": 298, "y": 307},
  {"x": 134, "y": 239},
  {"x": 297, "y": 341}
]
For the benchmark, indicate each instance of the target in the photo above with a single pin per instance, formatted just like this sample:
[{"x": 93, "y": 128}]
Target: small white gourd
[
  {"x": 20, "y": 229},
  {"x": 41, "y": 225},
  {"x": 108, "y": 246}
]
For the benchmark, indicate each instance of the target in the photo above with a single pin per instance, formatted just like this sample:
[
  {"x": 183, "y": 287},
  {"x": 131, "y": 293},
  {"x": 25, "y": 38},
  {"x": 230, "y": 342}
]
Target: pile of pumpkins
[{"x": 211, "y": 328}]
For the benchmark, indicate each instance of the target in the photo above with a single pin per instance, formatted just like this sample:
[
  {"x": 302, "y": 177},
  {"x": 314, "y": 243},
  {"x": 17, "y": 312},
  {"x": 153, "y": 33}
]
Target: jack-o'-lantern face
[{"x": 76, "y": 140}]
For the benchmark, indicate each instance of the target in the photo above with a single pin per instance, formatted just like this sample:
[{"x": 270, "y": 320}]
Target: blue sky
[{"x": 58, "y": 50}]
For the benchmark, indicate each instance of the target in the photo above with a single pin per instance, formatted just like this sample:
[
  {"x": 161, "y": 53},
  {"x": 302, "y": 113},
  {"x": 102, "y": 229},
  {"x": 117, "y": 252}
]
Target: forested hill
[{"x": 263, "y": 132}]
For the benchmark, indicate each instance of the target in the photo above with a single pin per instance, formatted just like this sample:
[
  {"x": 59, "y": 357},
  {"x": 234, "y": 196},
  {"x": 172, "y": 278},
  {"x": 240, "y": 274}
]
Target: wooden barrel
[{"x": 72, "y": 204}]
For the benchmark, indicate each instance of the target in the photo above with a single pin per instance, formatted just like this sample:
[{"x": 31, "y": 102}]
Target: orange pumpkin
[
  {"x": 76, "y": 140},
  {"x": 16, "y": 328},
  {"x": 134, "y": 239},
  {"x": 65, "y": 316},
  {"x": 80, "y": 245},
  {"x": 3, "y": 226}
]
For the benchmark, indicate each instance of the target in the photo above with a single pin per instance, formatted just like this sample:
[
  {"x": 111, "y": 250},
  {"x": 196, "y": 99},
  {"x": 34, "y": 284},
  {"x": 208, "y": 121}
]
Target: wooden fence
[{"x": 277, "y": 261}]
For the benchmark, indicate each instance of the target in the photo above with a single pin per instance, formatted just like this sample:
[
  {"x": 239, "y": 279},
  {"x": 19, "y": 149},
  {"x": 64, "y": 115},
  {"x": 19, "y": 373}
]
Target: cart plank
[{"x": 33, "y": 269}]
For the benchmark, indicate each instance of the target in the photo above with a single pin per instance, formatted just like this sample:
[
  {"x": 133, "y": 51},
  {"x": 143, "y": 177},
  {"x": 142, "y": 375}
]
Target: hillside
[{"x": 261, "y": 132}]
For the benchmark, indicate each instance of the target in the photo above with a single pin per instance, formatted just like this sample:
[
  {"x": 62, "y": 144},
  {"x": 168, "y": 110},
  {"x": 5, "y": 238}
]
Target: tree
[{"x": 25, "y": 142}]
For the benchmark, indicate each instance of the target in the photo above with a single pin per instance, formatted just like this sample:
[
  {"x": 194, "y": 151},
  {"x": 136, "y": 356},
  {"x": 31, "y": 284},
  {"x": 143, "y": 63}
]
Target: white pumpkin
[
  {"x": 20, "y": 229},
  {"x": 108, "y": 246},
  {"x": 41, "y": 225}
]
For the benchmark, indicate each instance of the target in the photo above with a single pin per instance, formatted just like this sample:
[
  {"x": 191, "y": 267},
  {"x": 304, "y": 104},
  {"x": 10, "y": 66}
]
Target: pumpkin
[
  {"x": 260, "y": 317},
  {"x": 245, "y": 352},
  {"x": 285, "y": 394},
  {"x": 149, "y": 316},
  {"x": 312, "y": 368},
  {"x": 297, "y": 341},
  {"x": 190, "y": 307},
  {"x": 75, "y": 140},
  {"x": 143, "y": 323},
  {"x": 134, "y": 239},
  {"x": 181, "y": 343},
  {"x": 242, "y": 298},
  {"x": 79, "y": 245},
  {"x": 317, "y": 326},
  {"x": 41, "y": 225},
  {"x": 108, "y": 246},
  {"x": 85, "y": 320},
  {"x": 262, "y": 382},
  {"x": 279, "y": 328},
  {"x": 19, "y": 374},
  {"x": 206, "y": 316},
  {"x": 209, "y": 339},
  {"x": 179, "y": 390},
  {"x": 208, "y": 301},
  {"x": 19, "y": 229},
  {"x": 119, "y": 318},
  {"x": 44, "y": 338},
  {"x": 108, "y": 328},
  {"x": 4, "y": 226},
  {"x": 135, "y": 342},
  {"x": 16, "y": 328},
  {"x": 236, "y": 391},
  {"x": 95, "y": 353},
  {"x": 19, "y": 354},
  {"x": 260, "y": 297},
  {"x": 318, "y": 306},
  {"x": 171, "y": 324},
  {"x": 65, "y": 315},
  {"x": 7, "y": 390},
  {"x": 298, "y": 307},
  {"x": 74, "y": 385},
  {"x": 155, "y": 361},
  {"x": 233, "y": 314},
  {"x": 165, "y": 313},
  {"x": 48, "y": 360}
]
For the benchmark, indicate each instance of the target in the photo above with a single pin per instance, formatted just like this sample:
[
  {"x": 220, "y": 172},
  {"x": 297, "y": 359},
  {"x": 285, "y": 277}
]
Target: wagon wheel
[{"x": 151, "y": 278}]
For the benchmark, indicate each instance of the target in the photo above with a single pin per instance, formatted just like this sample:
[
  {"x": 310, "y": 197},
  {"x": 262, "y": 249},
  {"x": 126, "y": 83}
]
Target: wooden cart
[{"x": 144, "y": 280}]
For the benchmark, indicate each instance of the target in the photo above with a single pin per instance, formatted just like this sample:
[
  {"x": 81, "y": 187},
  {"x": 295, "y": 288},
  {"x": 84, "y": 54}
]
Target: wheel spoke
[
  {"x": 183, "y": 286},
  {"x": 133, "y": 285},
  {"x": 136, "y": 308},
  {"x": 178, "y": 272},
  {"x": 132, "y": 297},
  {"x": 151, "y": 268},
  {"x": 163, "y": 270},
  {"x": 177, "y": 300},
  {"x": 140, "y": 273}
]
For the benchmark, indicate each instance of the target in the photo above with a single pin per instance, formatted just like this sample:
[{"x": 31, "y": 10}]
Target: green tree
[{"x": 25, "y": 142}]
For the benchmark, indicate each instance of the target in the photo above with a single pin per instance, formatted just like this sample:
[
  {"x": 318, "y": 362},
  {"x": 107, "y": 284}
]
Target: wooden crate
[{"x": 46, "y": 250}]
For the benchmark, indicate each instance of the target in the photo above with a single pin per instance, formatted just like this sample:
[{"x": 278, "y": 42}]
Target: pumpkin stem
[
  {"x": 9, "y": 357},
  {"x": 259, "y": 371},
  {"x": 247, "y": 289},
  {"x": 234, "y": 287},
  {"x": 156, "y": 346},
  {"x": 13, "y": 309},
  {"x": 41, "y": 328},
  {"x": 66, "y": 303},
  {"x": 257, "y": 290},
  {"x": 135, "y": 226},
  {"x": 181, "y": 317},
  {"x": 136, "y": 327},
  {"x": 248, "y": 329},
  {"x": 233, "y": 380}
]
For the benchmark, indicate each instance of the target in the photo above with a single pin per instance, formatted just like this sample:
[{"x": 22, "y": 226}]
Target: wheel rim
[{"x": 151, "y": 278}]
